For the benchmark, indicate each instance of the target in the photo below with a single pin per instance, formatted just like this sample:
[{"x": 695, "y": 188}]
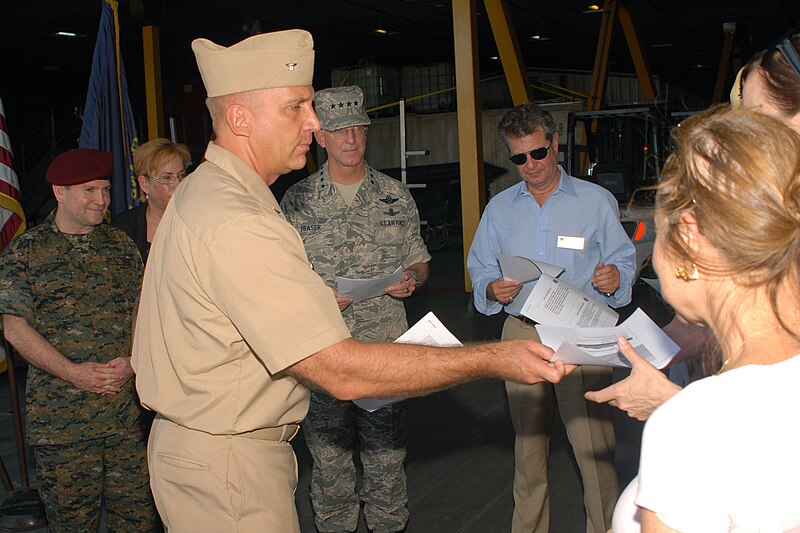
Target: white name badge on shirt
[{"x": 573, "y": 243}]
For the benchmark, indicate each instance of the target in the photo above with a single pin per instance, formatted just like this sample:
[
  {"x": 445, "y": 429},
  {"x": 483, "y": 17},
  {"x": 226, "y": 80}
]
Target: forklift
[{"x": 623, "y": 150}]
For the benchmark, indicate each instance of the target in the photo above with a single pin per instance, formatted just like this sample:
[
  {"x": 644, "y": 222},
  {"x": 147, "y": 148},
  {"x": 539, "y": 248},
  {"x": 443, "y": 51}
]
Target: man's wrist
[{"x": 414, "y": 275}]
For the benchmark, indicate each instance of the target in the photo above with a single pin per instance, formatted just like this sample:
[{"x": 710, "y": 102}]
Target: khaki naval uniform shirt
[{"x": 228, "y": 302}]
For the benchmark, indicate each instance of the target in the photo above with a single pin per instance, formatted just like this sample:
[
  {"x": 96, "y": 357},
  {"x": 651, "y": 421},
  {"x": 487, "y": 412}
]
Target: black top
[{"x": 134, "y": 223}]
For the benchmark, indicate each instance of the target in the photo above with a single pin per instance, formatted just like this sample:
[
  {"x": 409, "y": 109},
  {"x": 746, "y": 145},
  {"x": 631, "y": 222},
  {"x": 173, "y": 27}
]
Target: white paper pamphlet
[
  {"x": 522, "y": 269},
  {"x": 364, "y": 289},
  {"x": 557, "y": 303},
  {"x": 429, "y": 331},
  {"x": 598, "y": 346}
]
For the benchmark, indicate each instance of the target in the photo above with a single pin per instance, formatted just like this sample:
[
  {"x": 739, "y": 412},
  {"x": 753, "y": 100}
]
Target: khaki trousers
[
  {"x": 223, "y": 483},
  {"x": 590, "y": 430}
]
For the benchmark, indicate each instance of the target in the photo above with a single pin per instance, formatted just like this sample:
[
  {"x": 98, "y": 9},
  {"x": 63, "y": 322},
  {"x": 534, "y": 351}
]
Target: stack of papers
[
  {"x": 580, "y": 328},
  {"x": 598, "y": 346}
]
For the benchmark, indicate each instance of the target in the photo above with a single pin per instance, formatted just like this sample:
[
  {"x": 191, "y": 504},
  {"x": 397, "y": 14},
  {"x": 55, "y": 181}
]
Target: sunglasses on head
[
  {"x": 538, "y": 155},
  {"x": 787, "y": 49}
]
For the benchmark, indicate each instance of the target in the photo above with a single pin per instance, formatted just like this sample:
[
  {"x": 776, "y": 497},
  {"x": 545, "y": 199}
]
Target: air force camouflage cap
[
  {"x": 265, "y": 61},
  {"x": 341, "y": 107}
]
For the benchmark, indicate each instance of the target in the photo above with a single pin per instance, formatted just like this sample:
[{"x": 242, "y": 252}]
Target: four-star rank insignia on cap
[{"x": 349, "y": 103}]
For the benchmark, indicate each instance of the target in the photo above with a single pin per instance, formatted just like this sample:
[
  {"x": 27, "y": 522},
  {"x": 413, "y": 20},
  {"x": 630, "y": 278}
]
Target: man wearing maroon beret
[{"x": 68, "y": 296}]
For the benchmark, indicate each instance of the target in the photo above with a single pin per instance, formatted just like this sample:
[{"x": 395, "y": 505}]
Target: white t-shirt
[{"x": 723, "y": 455}]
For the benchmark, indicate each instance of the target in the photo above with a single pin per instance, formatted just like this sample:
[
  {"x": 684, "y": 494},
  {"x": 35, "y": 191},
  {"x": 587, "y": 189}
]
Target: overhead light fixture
[
  {"x": 539, "y": 38},
  {"x": 593, "y": 8},
  {"x": 494, "y": 58},
  {"x": 384, "y": 31},
  {"x": 699, "y": 65},
  {"x": 662, "y": 45},
  {"x": 68, "y": 35}
]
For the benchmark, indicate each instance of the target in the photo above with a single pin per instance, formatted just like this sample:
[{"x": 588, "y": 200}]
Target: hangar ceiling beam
[
  {"x": 635, "y": 47},
  {"x": 600, "y": 70},
  {"x": 508, "y": 46}
]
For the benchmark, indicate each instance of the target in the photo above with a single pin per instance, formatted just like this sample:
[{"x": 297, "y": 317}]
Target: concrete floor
[{"x": 460, "y": 441}]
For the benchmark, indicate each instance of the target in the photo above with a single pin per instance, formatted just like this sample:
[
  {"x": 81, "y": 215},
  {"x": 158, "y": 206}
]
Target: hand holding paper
[
  {"x": 404, "y": 288},
  {"x": 504, "y": 290},
  {"x": 363, "y": 289},
  {"x": 640, "y": 393},
  {"x": 342, "y": 301}
]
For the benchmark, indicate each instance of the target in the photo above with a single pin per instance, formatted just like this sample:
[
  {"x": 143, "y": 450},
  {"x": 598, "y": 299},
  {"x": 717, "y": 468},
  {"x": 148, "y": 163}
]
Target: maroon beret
[{"x": 80, "y": 165}]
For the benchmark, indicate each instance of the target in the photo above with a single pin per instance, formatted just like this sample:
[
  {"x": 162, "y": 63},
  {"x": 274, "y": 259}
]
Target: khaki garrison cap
[{"x": 265, "y": 61}]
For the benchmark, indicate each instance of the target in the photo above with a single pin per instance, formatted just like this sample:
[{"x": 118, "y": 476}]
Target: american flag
[{"x": 12, "y": 218}]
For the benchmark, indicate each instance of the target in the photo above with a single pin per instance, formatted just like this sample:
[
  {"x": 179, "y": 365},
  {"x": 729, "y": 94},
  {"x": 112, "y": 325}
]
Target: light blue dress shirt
[{"x": 514, "y": 224}]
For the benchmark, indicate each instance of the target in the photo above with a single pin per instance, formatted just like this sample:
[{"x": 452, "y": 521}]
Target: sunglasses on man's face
[{"x": 538, "y": 155}]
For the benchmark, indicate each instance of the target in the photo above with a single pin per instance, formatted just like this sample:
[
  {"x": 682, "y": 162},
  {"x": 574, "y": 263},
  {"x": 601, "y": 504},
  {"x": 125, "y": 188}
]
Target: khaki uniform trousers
[
  {"x": 223, "y": 483},
  {"x": 590, "y": 430}
]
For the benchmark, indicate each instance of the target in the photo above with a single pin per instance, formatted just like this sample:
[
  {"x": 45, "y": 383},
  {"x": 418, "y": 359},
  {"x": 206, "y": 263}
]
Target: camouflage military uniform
[
  {"x": 79, "y": 292},
  {"x": 368, "y": 239}
]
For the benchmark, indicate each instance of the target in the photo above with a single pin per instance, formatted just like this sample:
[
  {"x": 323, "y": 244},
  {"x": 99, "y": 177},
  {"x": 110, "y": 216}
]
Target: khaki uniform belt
[{"x": 280, "y": 433}]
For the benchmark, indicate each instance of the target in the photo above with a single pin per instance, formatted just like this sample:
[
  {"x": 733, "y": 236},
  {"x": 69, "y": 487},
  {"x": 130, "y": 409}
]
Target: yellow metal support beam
[
  {"x": 508, "y": 46},
  {"x": 724, "y": 61},
  {"x": 600, "y": 71},
  {"x": 470, "y": 142},
  {"x": 152, "y": 81},
  {"x": 635, "y": 46}
]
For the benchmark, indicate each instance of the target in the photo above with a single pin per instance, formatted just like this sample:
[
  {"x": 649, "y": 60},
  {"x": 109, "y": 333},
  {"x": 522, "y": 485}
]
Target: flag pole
[{"x": 23, "y": 509}]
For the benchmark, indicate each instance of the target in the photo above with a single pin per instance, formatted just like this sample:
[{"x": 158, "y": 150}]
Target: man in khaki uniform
[{"x": 233, "y": 323}]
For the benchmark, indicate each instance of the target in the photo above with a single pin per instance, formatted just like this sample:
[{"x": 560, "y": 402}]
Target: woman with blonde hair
[
  {"x": 724, "y": 453},
  {"x": 160, "y": 165},
  {"x": 769, "y": 83}
]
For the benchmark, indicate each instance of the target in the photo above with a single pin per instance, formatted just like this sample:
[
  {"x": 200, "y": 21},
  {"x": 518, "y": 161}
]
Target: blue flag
[{"x": 107, "y": 119}]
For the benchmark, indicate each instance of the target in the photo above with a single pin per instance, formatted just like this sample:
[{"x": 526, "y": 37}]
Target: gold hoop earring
[{"x": 687, "y": 274}]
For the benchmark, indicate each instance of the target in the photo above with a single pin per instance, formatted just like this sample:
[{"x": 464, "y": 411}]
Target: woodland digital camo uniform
[
  {"x": 368, "y": 239},
  {"x": 79, "y": 292}
]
